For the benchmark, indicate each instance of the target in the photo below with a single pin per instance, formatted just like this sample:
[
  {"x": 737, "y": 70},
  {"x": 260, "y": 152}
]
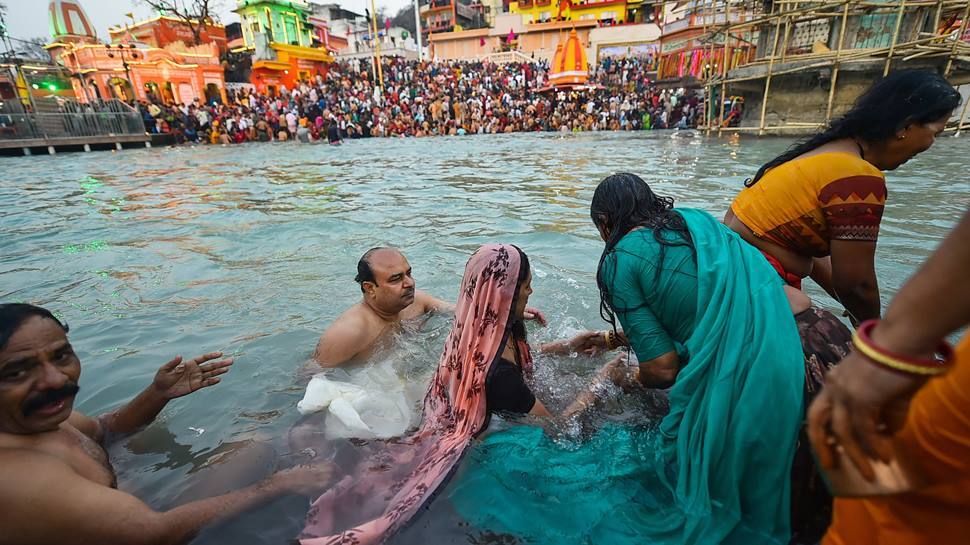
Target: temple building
[
  {"x": 569, "y": 67},
  {"x": 284, "y": 44},
  {"x": 163, "y": 69}
]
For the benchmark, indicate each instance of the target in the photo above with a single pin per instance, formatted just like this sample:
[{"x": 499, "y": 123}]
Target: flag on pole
[{"x": 481, "y": 42}]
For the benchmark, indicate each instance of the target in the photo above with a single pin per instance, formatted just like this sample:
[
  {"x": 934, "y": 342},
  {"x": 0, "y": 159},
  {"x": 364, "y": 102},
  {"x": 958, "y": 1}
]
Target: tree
[
  {"x": 404, "y": 18},
  {"x": 32, "y": 48},
  {"x": 196, "y": 15}
]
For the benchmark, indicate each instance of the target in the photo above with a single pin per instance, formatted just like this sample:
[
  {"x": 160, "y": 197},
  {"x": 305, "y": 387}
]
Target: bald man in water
[
  {"x": 389, "y": 300},
  {"x": 58, "y": 482}
]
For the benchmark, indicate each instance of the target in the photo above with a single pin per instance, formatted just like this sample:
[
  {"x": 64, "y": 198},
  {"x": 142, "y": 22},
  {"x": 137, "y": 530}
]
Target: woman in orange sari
[
  {"x": 815, "y": 210},
  {"x": 873, "y": 409}
]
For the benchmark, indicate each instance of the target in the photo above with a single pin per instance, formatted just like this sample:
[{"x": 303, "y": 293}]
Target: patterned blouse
[{"x": 804, "y": 204}]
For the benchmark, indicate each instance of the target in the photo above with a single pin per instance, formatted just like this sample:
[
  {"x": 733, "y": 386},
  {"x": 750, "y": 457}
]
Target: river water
[{"x": 252, "y": 250}]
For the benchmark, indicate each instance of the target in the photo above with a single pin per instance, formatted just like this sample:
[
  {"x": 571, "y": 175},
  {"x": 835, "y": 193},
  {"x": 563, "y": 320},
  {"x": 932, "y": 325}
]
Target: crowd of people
[
  {"x": 431, "y": 99},
  {"x": 708, "y": 313}
]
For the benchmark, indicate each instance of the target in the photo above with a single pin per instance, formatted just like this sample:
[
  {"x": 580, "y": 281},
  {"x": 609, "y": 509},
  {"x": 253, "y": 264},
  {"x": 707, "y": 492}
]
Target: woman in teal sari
[{"x": 708, "y": 318}]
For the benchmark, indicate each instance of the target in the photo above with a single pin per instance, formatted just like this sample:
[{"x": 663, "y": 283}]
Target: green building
[{"x": 280, "y": 21}]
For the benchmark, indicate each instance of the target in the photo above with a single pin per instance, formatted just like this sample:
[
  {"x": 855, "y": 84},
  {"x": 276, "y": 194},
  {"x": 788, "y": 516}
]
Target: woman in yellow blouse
[{"x": 815, "y": 209}]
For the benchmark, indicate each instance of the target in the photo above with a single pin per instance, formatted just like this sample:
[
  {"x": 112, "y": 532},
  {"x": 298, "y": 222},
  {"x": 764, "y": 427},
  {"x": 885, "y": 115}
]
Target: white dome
[{"x": 67, "y": 19}]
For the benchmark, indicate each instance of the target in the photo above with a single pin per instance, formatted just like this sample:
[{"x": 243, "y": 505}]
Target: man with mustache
[
  {"x": 389, "y": 299},
  {"x": 58, "y": 483}
]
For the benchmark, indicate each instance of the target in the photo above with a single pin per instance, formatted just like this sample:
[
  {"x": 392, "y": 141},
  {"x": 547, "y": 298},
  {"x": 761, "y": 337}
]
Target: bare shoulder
[
  {"x": 86, "y": 425},
  {"x": 347, "y": 336},
  {"x": 425, "y": 302}
]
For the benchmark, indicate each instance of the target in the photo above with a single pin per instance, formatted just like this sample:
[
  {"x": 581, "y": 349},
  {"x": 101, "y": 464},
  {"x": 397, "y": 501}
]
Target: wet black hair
[
  {"x": 892, "y": 104},
  {"x": 364, "y": 272},
  {"x": 621, "y": 203},
  {"x": 517, "y": 326},
  {"x": 13, "y": 315}
]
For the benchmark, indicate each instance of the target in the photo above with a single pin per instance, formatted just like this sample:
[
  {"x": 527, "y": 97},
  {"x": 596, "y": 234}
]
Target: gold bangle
[
  {"x": 612, "y": 338},
  {"x": 893, "y": 363}
]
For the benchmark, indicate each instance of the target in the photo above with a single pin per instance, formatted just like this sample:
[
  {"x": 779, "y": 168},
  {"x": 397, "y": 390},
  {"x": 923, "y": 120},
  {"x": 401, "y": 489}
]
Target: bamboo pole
[
  {"x": 708, "y": 73},
  {"x": 916, "y": 45},
  {"x": 892, "y": 44},
  {"x": 712, "y": 73},
  {"x": 771, "y": 65},
  {"x": 377, "y": 48},
  {"x": 863, "y": 55},
  {"x": 784, "y": 45},
  {"x": 963, "y": 117},
  {"x": 956, "y": 42},
  {"x": 770, "y": 18},
  {"x": 937, "y": 16},
  {"x": 724, "y": 63},
  {"x": 835, "y": 68}
]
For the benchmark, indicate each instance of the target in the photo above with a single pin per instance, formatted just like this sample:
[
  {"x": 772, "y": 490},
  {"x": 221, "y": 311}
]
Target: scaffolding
[{"x": 829, "y": 38}]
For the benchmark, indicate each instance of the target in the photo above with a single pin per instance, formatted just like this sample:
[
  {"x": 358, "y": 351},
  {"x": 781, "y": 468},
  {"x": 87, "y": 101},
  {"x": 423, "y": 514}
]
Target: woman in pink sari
[{"x": 481, "y": 370}]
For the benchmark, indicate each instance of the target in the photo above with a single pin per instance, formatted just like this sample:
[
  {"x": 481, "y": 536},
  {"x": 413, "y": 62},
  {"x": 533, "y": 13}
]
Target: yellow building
[{"x": 606, "y": 12}]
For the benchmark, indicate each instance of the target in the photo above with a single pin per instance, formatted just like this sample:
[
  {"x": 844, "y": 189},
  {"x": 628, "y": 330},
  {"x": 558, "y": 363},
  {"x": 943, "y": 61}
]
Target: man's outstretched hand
[{"x": 178, "y": 378}]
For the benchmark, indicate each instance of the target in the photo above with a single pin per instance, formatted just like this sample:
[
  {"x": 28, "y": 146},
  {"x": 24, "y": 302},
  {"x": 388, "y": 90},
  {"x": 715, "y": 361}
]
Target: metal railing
[{"x": 69, "y": 119}]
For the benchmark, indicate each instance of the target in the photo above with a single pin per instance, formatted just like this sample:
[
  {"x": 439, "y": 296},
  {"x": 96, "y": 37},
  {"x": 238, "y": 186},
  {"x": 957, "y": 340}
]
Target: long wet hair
[
  {"x": 621, "y": 203},
  {"x": 892, "y": 104},
  {"x": 516, "y": 325}
]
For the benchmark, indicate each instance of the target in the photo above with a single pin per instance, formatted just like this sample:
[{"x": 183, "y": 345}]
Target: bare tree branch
[
  {"x": 196, "y": 15},
  {"x": 32, "y": 48}
]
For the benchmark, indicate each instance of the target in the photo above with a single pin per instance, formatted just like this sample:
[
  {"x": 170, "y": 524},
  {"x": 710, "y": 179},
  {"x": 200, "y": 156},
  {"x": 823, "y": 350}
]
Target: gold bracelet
[
  {"x": 612, "y": 339},
  {"x": 606, "y": 339},
  {"x": 893, "y": 363}
]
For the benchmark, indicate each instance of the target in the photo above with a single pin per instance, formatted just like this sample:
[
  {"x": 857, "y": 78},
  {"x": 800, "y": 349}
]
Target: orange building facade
[
  {"x": 155, "y": 69},
  {"x": 291, "y": 65},
  {"x": 152, "y": 73}
]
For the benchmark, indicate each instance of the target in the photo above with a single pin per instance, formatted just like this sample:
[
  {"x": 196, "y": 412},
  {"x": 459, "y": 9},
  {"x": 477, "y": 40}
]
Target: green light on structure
[
  {"x": 35, "y": 86},
  {"x": 52, "y": 87}
]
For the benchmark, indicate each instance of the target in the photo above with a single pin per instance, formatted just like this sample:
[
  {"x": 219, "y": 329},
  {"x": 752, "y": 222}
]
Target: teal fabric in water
[{"x": 716, "y": 469}]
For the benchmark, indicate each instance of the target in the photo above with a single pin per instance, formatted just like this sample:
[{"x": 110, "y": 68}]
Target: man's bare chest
[{"x": 80, "y": 452}]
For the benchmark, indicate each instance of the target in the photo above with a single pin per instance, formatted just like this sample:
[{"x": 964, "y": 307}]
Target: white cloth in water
[{"x": 372, "y": 402}]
